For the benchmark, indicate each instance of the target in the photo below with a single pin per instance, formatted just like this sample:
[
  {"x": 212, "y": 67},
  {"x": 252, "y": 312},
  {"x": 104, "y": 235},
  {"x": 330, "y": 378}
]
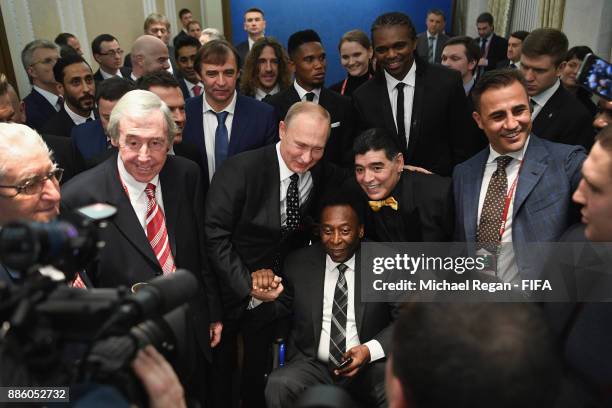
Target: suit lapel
[
  {"x": 126, "y": 220},
  {"x": 171, "y": 197},
  {"x": 383, "y": 98},
  {"x": 271, "y": 177},
  {"x": 417, "y": 107},
  {"x": 471, "y": 194},
  {"x": 238, "y": 127},
  {"x": 317, "y": 289},
  {"x": 548, "y": 114},
  {"x": 534, "y": 165},
  {"x": 198, "y": 135}
]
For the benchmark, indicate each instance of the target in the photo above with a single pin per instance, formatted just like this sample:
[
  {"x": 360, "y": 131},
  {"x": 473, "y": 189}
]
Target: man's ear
[
  {"x": 472, "y": 65},
  {"x": 361, "y": 233},
  {"x": 399, "y": 159},
  {"x": 561, "y": 67},
  {"x": 291, "y": 66},
  {"x": 114, "y": 142},
  {"x": 478, "y": 119},
  {"x": 282, "y": 129}
]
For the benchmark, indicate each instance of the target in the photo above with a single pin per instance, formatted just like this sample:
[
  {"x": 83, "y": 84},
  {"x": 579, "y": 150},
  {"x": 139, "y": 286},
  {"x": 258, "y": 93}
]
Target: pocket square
[{"x": 336, "y": 124}]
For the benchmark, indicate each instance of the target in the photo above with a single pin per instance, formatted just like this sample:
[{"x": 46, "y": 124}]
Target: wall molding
[
  {"x": 170, "y": 10},
  {"x": 72, "y": 20},
  {"x": 149, "y": 7},
  {"x": 19, "y": 32}
]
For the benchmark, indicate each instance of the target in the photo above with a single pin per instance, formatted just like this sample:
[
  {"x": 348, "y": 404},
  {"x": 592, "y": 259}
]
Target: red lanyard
[{"x": 507, "y": 202}]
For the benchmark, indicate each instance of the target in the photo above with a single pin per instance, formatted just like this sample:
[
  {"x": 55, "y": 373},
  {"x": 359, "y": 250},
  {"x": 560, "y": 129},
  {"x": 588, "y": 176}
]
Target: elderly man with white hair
[{"x": 159, "y": 222}]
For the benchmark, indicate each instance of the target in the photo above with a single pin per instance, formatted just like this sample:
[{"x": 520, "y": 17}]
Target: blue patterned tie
[{"x": 221, "y": 139}]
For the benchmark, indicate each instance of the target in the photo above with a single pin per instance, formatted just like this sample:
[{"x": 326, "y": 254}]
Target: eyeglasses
[
  {"x": 46, "y": 61},
  {"x": 119, "y": 52},
  {"x": 35, "y": 184},
  {"x": 155, "y": 145}
]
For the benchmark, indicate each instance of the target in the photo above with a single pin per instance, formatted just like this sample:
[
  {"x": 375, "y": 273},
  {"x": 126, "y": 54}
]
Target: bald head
[{"x": 149, "y": 54}]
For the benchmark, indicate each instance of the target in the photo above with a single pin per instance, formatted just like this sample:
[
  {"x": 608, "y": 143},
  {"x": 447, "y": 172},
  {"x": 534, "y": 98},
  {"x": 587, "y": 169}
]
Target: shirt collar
[
  {"x": 76, "y": 118},
  {"x": 331, "y": 265},
  {"x": 468, "y": 86},
  {"x": 106, "y": 75},
  {"x": 430, "y": 35},
  {"x": 135, "y": 188},
  {"x": 229, "y": 108},
  {"x": 409, "y": 79},
  {"x": 544, "y": 96},
  {"x": 301, "y": 91},
  {"x": 260, "y": 93},
  {"x": 49, "y": 96},
  {"x": 190, "y": 84},
  {"x": 518, "y": 155},
  {"x": 134, "y": 77}
]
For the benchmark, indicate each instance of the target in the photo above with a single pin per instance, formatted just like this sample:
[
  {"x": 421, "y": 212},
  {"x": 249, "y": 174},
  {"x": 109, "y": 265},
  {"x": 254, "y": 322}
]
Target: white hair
[{"x": 19, "y": 141}]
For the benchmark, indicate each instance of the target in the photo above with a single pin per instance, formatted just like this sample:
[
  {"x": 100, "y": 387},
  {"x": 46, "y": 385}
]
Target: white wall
[
  {"x": 588, "y": 23},
  {"x": 474, "y": 8}
]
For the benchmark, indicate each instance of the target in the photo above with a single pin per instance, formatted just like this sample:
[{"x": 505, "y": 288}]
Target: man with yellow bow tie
[{"x": 406, "y": 206}]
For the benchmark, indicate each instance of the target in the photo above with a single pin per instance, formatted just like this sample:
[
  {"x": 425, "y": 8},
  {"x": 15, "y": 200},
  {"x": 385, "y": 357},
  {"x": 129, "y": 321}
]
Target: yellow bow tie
[{"x": 376, "y": 205}]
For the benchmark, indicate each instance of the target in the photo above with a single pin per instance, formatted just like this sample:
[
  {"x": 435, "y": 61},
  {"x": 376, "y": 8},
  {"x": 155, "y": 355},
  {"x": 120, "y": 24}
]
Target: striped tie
[
  {"x": 157, "y": 233},
  {"x": 337, "y": 336}
]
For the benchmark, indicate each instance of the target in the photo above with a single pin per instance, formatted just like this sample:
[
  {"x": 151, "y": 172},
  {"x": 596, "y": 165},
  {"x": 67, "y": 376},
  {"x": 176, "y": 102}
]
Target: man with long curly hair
[{"x": 265, "y": 70}]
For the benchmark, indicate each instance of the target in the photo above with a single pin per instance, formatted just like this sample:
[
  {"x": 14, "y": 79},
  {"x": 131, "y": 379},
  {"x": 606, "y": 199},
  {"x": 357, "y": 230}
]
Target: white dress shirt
[
  {"x": 260, "y": 93},
  {"x": 210, "y": 127},
  {"x": 352, "y": 337},
  {"x": 136, "y": 193},
  {"x": 106, "y": 75},
  {"x": 543, "y": 97},
  {"x": 76, "y": 118},
  {"x": 304, "y": 185},
  {"x": 507, "y": 269},
  {"x": 191, "y": 85},
  {"x": 52, "y": 98},
  {"x": 409, "y": 80},
  {"x": 302, "y": 92}
]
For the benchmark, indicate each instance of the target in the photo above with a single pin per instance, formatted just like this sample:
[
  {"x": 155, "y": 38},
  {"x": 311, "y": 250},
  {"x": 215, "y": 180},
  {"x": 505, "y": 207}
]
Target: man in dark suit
[
  {"x": 322, "y": 278},
  {"x": 422, "y": 105},
  {"x": 308, "y": 61},
  {"x": 515, "y": 46},
  {"x": 258, "y": 208},
  {"x": 91, "y": 138},
  {"x": 76, "y": 82},
  {"x": 492, "y": 47},
  {"x": 404, "y": 206},
  {"x": 108, "y": 54},
  {"x": 149, "y": 54},
  {"x": 185, "y": 16},
  {"x": 528, "y": 179},
  {"x": 158, "y": 226},
  {"x": 431, "y": 42},
  {"x": 38, "y": 58},
  {"x": 557, "y": 115},
  {"x": 255, "y": 26},
  {"x": 185, "y": 50},
  {"x": 220, "y": 122}
]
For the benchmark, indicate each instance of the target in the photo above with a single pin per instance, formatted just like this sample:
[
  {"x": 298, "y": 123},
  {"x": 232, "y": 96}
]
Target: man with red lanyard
[{"x": 518, "y": 190}]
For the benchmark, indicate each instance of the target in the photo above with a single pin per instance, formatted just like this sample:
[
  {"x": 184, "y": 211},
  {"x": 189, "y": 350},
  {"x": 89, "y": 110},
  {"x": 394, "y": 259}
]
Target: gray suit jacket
[{"x": 423, "y": 46}]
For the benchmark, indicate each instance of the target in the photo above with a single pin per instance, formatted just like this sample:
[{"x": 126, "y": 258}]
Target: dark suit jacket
[
  {"x": 254, "y": 125},
  {"x": 340, "y": 142},
  {"x": 302, "y": 298},
  {"x": 423, "y": 46},
  {"x": 497, "y": 51},
  {"x": 564, "y": 119},
  {"x": 128, "y": 257},
  {"x": 125, "y": 71},
  {"x": 60, "y": 124},
  {"x": 181, "y": 81},
  {"x": 65, "y": 155},
  {"x": 38, "y": 110},
  {"x": 543, "y": 207},
  {"x": 243, "y": 226},
  {"x": 439, "y": 117},
  {"x": 243, "y": 50},
  {"x": 425, "y": 206},
  {"x": 89, "y": 139}
]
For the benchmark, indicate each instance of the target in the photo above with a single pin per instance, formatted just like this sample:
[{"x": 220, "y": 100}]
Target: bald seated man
[{"x": 149, "y": 54}]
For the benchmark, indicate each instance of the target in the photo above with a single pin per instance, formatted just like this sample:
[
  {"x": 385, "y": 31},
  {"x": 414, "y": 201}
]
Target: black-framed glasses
[
  {"x": 35, "y": 184},
  {"x": 118, "y": 52}
]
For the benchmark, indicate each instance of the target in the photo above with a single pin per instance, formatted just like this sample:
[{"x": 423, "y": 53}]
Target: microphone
[{"x": 158, "y": 297}]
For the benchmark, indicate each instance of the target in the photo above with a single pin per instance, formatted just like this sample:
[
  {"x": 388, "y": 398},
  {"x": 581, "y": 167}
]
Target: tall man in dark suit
[
  {"x": 515, "y": 47},
  {"x": 258, "y": 208},
  {"x": 557, "y": 115},
  {"x": 326, "y": 278},
  {"x": 185, "y": 16},
  {"x": 159, "y": 225},
  {"x": 431, "y": 42},
  {"x": 422, "y": 105},
  {"x": 518, "y": 190},
  {"x": 255, "y": 26},
  {"x": 76, "y": 82},
  {"x": 404, "y": 206},
  {"x": 185, "y": 50},
  {"x": 108, "y": 54},
  {"x": 492, "y": 47},
  {"x": 220, "y": 122},
  {"x": 38, "y": 58},
  {"x": 308, "y": 61},
  {"x": 91, "y": 139}
]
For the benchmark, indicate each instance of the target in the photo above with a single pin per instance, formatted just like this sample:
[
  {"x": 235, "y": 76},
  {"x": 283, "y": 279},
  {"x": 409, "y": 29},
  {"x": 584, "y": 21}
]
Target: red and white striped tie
[{"x": 157, "y": 233}]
